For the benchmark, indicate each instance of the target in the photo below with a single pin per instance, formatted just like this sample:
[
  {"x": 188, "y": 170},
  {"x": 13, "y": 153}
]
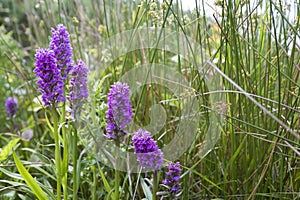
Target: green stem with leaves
[
  {"x": 57, "y": 152},
  {"x": 12, "y": 125},
  {"x": 75, "y": 164},
  {"x": 155, "y": 185},
  {"x": 95, "y": 183},
  {"x": 117, "y": 172},
  {"x": 66, "y": 154}
]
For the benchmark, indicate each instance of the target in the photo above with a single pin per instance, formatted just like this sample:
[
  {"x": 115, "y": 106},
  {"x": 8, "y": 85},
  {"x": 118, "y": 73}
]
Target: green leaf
[
  {"x": 146, "y": 189},
  {"x": 12, "y": 183},
  {"x": 236, "y": 153},
  {"x": 30, "y": 181},
  {"x": 104, "y": 180},
  {"x": 6, "y": 150},
  {"x": 49, "y": 123},
  {"x": 297, "y": 176},
  {"x": 10, "y": 194},
  {"x": 11, "y": 174}
]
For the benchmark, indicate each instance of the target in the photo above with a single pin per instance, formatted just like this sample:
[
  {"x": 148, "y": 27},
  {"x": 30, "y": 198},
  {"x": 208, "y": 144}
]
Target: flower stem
[
  {"x": 155, "y": 185},
  {"x": 94, "y": 185},
  {"x": 57, "y": 152},
  {"x": 66, "y": 156},
  {"x": 75, "y": 164},
  {"x": 117, "y": 172},
  {"x": 12, "y": 126},
  {"x": 117, "y": 183}
]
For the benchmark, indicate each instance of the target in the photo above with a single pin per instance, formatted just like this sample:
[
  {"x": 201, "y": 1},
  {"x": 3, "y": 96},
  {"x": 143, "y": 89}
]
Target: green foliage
[
  {"x": 7, "y": 149},
  {"x": 30, "y": 181},
  {"x": 9, "y": 78},
  {"x": 146, "y": 189}
]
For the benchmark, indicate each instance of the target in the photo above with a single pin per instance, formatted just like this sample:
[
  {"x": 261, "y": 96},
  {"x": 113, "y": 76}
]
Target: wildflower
[
  {"x": 27, "y": 135},
  {"x": 148, "y": 154},
  {"x": 51, "y": 83},
  {"x": 119, "y": 111},
  {"x": 78, "y": 86},
  {"x": 61, "y": 46},
  {"x": 172, "y": 180},
  {"x": 11, "y": 105}
]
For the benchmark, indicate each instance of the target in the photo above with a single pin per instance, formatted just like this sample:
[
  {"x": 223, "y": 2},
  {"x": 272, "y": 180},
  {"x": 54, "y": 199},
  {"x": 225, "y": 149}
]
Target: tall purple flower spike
[
  {"x": 148, "y": 154},
  {"x": 11, "y": 105},
  {"x": 172, "y": 180},
  {"x": 119, "y": 113},
  {"x": 50, "y": 81},
  {"x": 61, "y": 46},
  {"x": 78, "y": 86}
]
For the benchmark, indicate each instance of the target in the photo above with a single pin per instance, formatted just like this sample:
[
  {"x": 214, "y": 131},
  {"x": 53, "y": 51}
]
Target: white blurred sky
[
  {"x": 210, "y": 8},
  {"x": 208, "y": 4},
  {"x": 188, "y": 4}
]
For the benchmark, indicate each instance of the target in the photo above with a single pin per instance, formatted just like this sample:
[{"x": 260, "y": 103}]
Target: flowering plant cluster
[
  {"x": 149, "y": 156},
  {"x": 53, "y": 66},
  {"x": 119, "y": 115}
]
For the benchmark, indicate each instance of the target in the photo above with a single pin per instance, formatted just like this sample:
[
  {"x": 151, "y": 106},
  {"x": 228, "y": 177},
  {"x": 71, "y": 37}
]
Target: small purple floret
[
  {"x": 11, "y": 105},
  {"x": 148, "y": 154}
]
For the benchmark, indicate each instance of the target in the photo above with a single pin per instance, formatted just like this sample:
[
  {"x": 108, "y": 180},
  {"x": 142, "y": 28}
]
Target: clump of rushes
[
  {"x": 171, "y": 182},
  {"x": 11, "y": 105},
  {"x": 61, "y": 46},
  {"x": 119, "y": 113},
  {"x": 50, "y": 81},
  {"x": 149, "y": 155}
]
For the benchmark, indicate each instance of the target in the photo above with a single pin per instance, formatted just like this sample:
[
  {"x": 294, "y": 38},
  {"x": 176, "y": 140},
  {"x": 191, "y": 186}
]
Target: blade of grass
[{"x": 30, "y": 181}]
